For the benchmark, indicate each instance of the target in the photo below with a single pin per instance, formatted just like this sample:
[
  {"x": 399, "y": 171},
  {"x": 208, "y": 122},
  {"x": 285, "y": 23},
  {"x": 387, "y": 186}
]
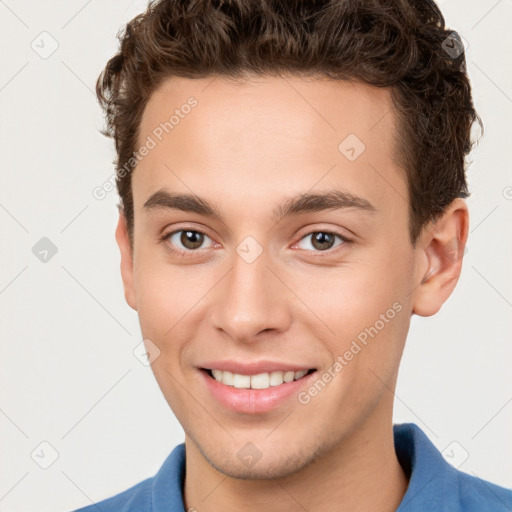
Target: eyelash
[{"x": 189, "y": 253}]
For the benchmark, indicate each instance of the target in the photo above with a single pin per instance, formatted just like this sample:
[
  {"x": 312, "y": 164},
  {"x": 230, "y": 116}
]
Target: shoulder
[
  {"x": 434, "y": 484},
  {"x": 161, "y": 492},
  {"x": 137, "y": 497},
  {"x": 478, "y": 495}
]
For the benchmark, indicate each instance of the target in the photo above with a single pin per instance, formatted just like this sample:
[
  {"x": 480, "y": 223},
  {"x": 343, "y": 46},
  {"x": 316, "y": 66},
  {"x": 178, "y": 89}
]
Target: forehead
[{"x": 264, "y": 136}]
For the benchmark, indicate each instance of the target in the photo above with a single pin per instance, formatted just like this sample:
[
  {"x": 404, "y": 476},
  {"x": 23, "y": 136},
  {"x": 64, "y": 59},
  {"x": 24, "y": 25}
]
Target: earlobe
[
  {"x": 126, "y": 260},
  {"x": 441, "y": 249}
]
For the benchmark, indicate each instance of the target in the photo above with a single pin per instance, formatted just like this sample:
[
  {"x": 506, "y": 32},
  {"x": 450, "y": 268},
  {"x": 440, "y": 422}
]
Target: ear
[
  {"x": 126, "y": 259},
  {"x": 440, "y": 251}
]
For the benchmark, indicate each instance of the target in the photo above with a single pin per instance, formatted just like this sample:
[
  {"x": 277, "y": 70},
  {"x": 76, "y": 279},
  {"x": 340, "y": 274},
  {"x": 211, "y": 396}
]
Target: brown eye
[
  {"x": 191, "y": 239},
  {"x": 186, "y": 239},
  {"x": 322, "y": 240}
]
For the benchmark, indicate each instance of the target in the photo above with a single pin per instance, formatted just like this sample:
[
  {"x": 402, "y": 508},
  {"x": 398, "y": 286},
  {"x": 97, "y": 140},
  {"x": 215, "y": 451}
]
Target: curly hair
[{"x": 400, "y": 44}]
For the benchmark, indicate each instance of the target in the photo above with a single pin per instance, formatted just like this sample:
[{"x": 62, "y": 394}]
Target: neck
[{"x": 362, "y": 473}]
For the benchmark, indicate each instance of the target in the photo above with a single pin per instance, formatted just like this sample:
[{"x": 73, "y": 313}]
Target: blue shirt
[{"x": 434, "y": 484}]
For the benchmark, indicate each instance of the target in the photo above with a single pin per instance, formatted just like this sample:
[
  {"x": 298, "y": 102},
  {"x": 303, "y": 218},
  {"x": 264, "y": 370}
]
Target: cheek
[
  {"x": 163, "y": 298},
  {"x": 369, "y": 323},
  {"x": 172, "y": 304},
  {"x": 365, "y": 309},
  {"x": 351, "y": 298}
]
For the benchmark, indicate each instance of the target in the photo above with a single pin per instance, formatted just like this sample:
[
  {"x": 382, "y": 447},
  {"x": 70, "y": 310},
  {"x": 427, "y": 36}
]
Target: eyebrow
[{"x": 300, "y": 203}]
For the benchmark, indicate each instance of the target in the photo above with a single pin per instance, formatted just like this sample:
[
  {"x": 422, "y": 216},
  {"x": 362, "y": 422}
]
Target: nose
[{"x": 251, "y": 299}]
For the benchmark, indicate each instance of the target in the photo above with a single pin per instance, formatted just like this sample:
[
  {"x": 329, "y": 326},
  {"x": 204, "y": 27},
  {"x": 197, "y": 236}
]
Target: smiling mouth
[{"x": 260, "y": 381}]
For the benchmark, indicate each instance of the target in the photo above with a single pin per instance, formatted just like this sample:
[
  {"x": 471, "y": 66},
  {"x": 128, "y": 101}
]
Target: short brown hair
[{"x": 401, "y": 44}]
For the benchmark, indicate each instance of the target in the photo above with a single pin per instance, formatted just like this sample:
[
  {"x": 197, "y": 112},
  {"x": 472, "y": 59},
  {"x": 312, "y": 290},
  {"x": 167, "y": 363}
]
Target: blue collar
[{"x": 433, "y": 482}]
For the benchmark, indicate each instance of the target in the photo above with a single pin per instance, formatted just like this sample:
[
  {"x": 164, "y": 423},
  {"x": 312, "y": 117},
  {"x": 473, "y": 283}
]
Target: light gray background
[{"x": 68, "y": 374}]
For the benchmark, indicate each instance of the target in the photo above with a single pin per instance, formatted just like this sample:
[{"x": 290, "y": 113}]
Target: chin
[{"x": 248, "y": 463}]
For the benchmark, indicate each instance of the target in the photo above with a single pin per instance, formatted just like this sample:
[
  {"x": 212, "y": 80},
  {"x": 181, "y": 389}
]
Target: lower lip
[{"x": 254, "y": 401}]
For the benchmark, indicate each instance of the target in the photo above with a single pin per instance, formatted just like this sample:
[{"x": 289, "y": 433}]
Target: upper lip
[{"x": 253, "y": 368}]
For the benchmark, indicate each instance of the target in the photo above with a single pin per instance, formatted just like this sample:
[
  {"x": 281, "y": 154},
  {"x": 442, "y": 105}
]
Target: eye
[
  {"x": 323, "y": 240},
  {"x": 190, "y": 239}
]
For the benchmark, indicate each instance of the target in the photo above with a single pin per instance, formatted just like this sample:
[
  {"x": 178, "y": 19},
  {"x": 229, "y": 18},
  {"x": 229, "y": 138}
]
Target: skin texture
[{"x": 247, "y": 147}]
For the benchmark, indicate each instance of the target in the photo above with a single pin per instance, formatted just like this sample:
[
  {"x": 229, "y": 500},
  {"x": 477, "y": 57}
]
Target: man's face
[{"x": 303, "y": 289}]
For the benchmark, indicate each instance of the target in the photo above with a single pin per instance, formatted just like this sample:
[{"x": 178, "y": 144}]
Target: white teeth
[
  {"x": 226, "y": 377},
  {"x": 300, "y": 374},
  {"x": 289, "y": 376},
  {"x": 259, "y": 381},
  {"x": 276, "y": 378},
  {"x": 241, "y": 381}
]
